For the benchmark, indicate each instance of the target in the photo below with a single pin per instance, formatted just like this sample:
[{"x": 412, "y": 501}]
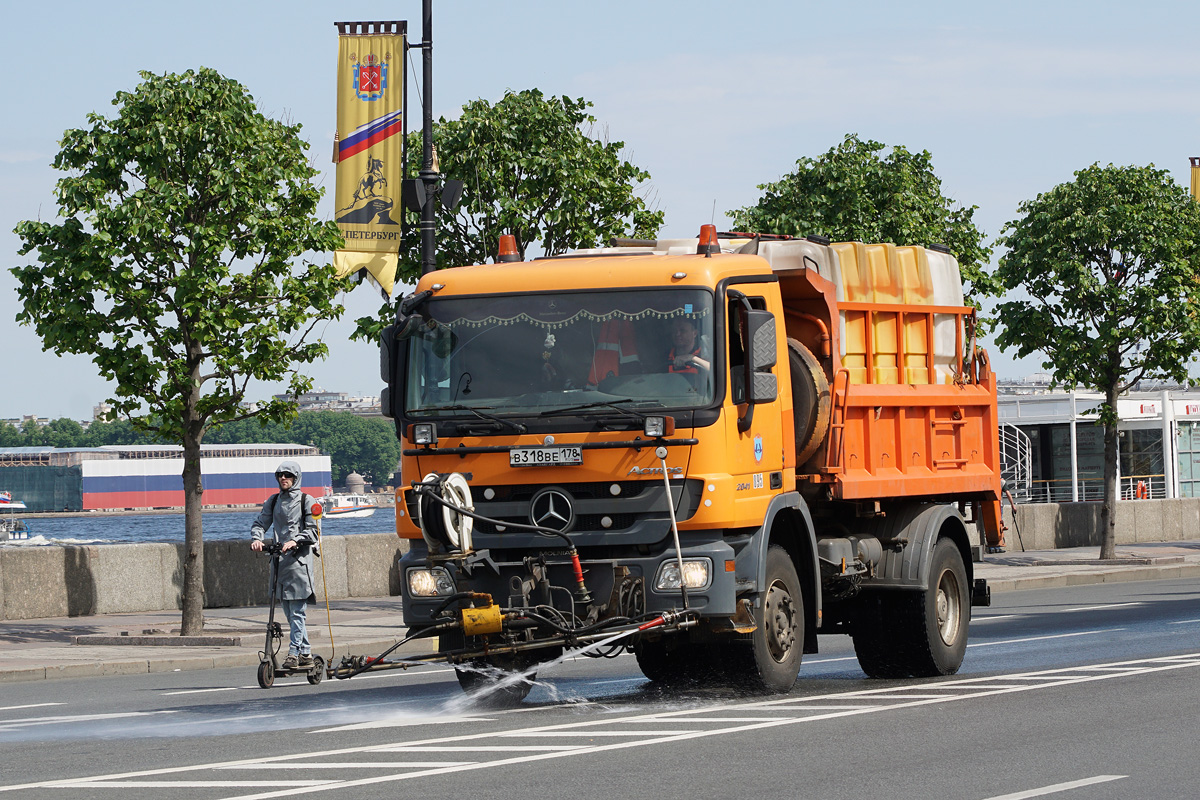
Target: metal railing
[
  {"x": 1129, "y": 487},
  {"x": 1016, "y": 463}
]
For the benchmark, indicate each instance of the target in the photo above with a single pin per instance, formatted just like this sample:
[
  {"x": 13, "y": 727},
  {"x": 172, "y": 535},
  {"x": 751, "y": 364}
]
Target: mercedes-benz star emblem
[{"x": 551, "y": 508}]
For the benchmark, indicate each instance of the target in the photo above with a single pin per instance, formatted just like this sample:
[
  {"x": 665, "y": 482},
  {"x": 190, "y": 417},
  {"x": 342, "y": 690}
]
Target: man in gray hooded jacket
[{"x": 289, "y": 512}]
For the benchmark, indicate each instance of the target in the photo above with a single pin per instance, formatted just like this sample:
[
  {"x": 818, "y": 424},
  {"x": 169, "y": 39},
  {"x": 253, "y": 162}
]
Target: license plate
[{"x": 545, "y": 456}]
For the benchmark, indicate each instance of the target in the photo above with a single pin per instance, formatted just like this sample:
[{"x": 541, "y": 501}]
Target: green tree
[
  {"x": 172, "y": 265},
  {"x": 63, "y": 432},
  {"x": 856, "y": 192},
  {"x": 120, "y": 431},
  {"x": 532, "y": 168},
  {"x": 354, "y": 444},
  {"x": 10, "y": 436},
  {"x": 1111, "y": 266}
]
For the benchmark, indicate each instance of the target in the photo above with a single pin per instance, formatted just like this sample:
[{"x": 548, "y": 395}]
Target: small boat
[
  {"x": 11, "y": 527},
  {"x": 347, "y": 505}
]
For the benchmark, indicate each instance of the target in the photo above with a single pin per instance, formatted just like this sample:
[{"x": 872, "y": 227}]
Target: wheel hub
[
  {"x": 781, "y": 622},
  {"x": 948, "y": 610}
]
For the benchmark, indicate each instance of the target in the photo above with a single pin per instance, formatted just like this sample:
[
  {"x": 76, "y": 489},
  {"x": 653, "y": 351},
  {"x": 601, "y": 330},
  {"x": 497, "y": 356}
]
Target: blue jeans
[{"x": 296, "y": 611}]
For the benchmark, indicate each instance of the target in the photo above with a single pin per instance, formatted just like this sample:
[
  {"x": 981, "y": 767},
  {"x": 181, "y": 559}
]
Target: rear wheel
[
  {"x": 318, "y": 670},
  {"x": 917, "y": 634}
]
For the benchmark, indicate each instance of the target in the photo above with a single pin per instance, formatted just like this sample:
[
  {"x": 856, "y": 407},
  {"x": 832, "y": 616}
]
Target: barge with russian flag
[{"x": 145, "y": 477}]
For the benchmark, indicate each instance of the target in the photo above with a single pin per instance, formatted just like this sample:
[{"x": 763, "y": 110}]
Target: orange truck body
[{"x": 879, "y": 440}]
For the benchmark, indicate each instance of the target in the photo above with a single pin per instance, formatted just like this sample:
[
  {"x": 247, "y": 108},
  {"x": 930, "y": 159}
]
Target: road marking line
[
  {"x": 31, "y": 705},
  {"x": 356, "y": 765},
  {"x": 403, "y": 748},
  {"x": 203, "y": 691},
  {"x": 400, "y": 722},
  {"x": 1098, "y": 608},
  {"x": 713, "y": 719},
  {"x": 189, "y": 784},
  {"x": 1058, "y": 787},
  {"x": 1048, "y": 679},
  {"x": 1043, "y": 638},
  {"x": 1184, "y": 622},
  {"x": 975, "y": 619},
  {"x": 556, "y": 734},
  {"x": 31, "y": 721}
]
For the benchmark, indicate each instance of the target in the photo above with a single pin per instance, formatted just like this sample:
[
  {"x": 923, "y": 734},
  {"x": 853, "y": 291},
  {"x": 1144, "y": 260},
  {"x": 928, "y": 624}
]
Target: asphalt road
[{"x": 1079, "y": 692}]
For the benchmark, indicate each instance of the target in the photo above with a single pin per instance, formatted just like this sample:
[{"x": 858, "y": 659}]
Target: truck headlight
[
  {"x": 423, "y": 433},
  {"x": 423, "y": 582},
  {"x": 697, "y": 574}
]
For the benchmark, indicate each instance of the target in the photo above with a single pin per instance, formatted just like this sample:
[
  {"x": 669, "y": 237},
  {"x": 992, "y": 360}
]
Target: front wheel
[
  {"x": 771, "y": 659},
  {"x": 266, "y": 674},
  {"x": 501, "y": 681}
]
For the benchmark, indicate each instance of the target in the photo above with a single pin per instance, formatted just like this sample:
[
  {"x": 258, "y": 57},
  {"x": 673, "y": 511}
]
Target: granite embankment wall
[
  {"x": 80, "y": 580},
  {"x": 1050, "y": 526},
  {"x": 37, "y": 582}
]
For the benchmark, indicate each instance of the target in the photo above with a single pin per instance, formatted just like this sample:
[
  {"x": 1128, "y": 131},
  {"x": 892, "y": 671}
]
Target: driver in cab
[{"x": 686, "y": 356}]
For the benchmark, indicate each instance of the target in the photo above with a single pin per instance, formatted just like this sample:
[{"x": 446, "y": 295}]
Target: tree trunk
[
  {"x": 193, "y": 492},
  {"x": 1108, "y": 512},
  {"x": 193, "y": 564}
]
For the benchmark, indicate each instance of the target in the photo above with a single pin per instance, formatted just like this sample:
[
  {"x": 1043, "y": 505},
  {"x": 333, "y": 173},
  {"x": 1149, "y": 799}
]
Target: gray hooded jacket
[{"x": 287, "y": 514}]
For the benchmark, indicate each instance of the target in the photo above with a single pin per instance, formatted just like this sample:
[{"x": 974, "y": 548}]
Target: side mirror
[
  {"x": 387, "y": 365},
  {"x": 763, "y": 388},
  {"x": 762, "y": 347}
]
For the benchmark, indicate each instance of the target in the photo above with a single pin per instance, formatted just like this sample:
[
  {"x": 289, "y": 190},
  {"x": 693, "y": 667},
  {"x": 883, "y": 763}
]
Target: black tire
[
  {"x": 811, "y": 401},
  {"x": 497, "y": 686},
  {"x": 917, "y": 634},
  {"x": 266, "y": 674},
  {"x": 945, "y": 614},
  {"x": 491, "y": 682},
  {"x": 770, "y": 661},
  {"x": 875, "y": 636},
  {"x": 674, "y": 661},
  {"x": 318, "y": 670}
]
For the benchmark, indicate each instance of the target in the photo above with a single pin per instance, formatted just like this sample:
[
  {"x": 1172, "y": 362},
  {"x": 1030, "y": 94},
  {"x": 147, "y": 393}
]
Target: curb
[{"x": 1083, "y": 578}]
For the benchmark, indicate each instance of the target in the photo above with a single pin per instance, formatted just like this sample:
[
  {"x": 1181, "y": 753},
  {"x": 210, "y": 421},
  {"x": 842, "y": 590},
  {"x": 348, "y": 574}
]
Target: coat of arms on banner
[{"x": 370, "y": 78}]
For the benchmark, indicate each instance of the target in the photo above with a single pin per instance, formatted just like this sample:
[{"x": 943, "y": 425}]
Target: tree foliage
[
  {"x": 1111, "y": 266},
  {"x": 367, "y": 446},
  {"x": 532, "y": 168},
  {"x": 172, "y": 264},
  {"x": 857, "y": 192},
  {"x": 354, "y": 444}
]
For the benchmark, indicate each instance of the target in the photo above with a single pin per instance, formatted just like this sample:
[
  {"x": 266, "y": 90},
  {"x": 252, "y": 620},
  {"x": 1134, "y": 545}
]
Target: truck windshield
[{"x": 536, "y": 352}]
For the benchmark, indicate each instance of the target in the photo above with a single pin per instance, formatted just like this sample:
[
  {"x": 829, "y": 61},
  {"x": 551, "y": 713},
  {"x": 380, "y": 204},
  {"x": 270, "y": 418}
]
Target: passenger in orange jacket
[{"x": 616, "y": 350}]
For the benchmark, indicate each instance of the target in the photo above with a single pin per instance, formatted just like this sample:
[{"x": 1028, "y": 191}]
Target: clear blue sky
[{"x": 713, "y": 98}]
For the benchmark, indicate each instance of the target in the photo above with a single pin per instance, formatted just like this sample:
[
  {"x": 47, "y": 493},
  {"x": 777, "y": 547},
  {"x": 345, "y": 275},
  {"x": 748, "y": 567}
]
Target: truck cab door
[{"x": 753, "y": 418}]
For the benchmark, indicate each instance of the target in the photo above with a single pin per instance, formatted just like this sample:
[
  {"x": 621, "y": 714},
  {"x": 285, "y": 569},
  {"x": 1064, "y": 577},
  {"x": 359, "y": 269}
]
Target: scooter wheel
[
  {"x": 318, "y": 670},
  {"x": 266, "y": 674}
]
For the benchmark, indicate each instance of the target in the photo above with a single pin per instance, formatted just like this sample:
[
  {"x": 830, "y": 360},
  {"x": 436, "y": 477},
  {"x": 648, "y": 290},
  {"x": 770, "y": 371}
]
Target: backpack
[{"x": 306, "y": 504}]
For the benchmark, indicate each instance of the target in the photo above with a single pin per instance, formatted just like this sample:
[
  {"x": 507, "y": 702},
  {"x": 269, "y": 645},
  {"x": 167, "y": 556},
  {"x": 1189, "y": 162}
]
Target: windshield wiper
[
  {"x": 599, "y": 404},
  {"x": 516, "y": 426}
]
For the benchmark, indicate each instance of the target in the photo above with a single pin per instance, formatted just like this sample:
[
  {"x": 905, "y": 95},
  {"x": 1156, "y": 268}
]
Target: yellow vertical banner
[{"x": 369, "y": 147}]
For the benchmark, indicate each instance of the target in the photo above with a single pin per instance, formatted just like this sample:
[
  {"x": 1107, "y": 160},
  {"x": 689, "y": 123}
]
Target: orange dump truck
[{"x": 708, "y": 451}]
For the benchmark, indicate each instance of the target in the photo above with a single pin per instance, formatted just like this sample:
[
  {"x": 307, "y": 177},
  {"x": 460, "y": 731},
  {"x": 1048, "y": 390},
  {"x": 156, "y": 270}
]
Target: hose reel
[{"x": 443, "y": 527}]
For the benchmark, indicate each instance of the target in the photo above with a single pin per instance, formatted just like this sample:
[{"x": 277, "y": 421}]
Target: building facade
[{"x": 1053, "y": 444}]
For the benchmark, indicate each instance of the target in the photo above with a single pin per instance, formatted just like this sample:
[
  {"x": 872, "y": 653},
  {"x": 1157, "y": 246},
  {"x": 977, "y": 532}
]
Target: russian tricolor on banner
[{"x": 372, "y": 133}]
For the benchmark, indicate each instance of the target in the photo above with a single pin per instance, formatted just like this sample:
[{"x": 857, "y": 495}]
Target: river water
[{"x": 136, "y": 528}]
